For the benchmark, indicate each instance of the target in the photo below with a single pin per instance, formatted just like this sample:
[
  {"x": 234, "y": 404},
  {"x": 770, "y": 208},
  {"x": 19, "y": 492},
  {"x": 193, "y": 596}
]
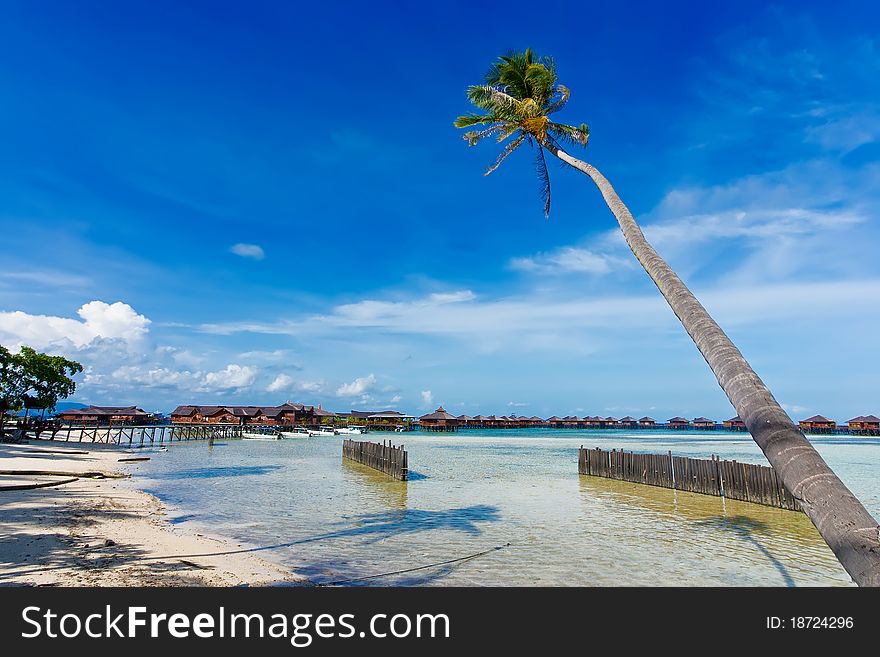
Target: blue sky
[{"x": 230, "y": 203}]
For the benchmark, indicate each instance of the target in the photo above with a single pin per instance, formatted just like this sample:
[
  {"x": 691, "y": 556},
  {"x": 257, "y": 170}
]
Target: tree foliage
[
  {"x": 34, "y": 380},
  {"x": 520, "y": 94}
]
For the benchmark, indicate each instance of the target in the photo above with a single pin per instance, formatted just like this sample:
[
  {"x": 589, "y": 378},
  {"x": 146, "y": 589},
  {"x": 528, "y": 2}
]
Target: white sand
[{"x": 102, "y": 532}]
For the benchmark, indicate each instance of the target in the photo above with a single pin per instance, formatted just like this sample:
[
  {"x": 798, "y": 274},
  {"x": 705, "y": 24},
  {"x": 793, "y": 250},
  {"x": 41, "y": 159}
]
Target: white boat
[
  {"x": 298, "y": 432},
  {"x": 351, "y": 430},
  {"x": 259, "y": 436},
  {"x": 327, "y": 431}
]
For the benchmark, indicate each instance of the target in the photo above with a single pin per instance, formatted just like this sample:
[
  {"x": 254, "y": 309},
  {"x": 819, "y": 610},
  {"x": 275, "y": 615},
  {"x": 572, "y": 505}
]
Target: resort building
[
  {"x": 627, "y": 422},
  {"x": 106, "y": 415},
  {"x": 734, "y": 424},
  {"x": 381, "y": 420},
  {"x": 703, "y": 423},
  {"x": 678, "y": 423},
  {"x": 286, "y": 414},
  {"x": 864, "y": 424},
  {"x": 817, "y": 424},
  {"x": 440, "y": 420},
  {"x": 647, "y": 422}
]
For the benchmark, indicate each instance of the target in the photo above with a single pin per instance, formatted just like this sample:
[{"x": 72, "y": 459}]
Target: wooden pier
[
  {"x": 140, "y": 436},
  {"x": 736, "y": 481},
  {"x": 385, "y": 457}
]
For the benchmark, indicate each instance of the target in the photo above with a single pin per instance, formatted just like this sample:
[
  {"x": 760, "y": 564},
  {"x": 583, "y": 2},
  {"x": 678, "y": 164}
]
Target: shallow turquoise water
[{"x": 303, "y": 506}]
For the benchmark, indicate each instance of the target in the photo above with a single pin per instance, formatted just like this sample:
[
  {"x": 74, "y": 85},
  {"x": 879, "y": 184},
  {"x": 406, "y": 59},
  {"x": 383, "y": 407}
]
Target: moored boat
[
  {"x": 297, "y": 432},
  {"x": 260, "y": 436}
]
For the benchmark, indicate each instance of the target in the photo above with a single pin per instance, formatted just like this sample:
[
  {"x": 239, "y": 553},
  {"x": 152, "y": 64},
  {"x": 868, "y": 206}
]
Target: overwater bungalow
[
  {"x": 535, "y": 421},
  {"x": 106, "y": 415},
  {"x": 647, "y": 422},
  {"x": 627, "y": 422},
  {"x": 703, "y": 423},
  {"x": 467, "y": 421},
  {"x": 608, "y": 422},
  {"x": 287, "y": 414},
  {"x": 439, "y": 420},
  {"x": 678, "y": 423},
  {"x": 734, "y": 424},
  {"x": 864, "y": 424},
  {"x": 817, "y": 424},
  {"x": 554, "y": 421}
]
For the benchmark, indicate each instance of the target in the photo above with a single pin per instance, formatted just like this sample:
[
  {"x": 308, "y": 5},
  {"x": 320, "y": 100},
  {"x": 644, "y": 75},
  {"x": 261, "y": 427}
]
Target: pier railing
[
  {"x": 141, "y": 436},
  {"x": 730, "y": 479},
  {"x": 385, "y": 457}
]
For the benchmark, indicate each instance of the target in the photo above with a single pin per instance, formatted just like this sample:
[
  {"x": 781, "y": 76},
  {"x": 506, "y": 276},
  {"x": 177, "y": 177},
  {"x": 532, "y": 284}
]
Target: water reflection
[
  {"x": 738, "y": 532},
  {"x": 374, "y": 485}
]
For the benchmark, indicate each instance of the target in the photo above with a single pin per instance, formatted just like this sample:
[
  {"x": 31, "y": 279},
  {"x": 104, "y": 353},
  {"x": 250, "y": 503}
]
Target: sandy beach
[{"x": 97, "y": 530}]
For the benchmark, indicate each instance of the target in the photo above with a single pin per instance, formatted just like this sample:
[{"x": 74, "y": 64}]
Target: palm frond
[
  {"x": 512, "y": 146},
  {"x": 506, "y": 130},
  {"x": 493, "y": 99},
  {"x": 544, "y": 177},
  {"x": 469, "y": 120},
  {"x": 473, "y": 138},
  {"x": 567, "y": 133},
  {"x": 563, "y": 94}
]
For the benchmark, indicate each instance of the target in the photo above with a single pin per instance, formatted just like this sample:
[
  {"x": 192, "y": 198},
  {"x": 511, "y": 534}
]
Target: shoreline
[{"x": 106, "y": 531}]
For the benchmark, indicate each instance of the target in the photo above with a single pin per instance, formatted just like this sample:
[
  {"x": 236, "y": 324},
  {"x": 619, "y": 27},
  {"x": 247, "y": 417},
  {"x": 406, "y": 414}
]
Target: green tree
[
  {"x": 520, "y": 93},
  {"x": 33, "y": 379}
]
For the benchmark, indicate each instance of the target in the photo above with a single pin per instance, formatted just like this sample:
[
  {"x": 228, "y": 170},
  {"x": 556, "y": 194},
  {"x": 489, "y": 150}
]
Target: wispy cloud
[
  {"x": 254, "y": 251},
  {"x": 571, "y": 259}
]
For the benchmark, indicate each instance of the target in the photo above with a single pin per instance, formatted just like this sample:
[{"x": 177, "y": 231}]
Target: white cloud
[
  {"x": 281, "y": 382},
  {"x": 147, "y": 376},
  {"x": 183, "y": 357},
  {"x": 844, "y": 134},
  {"x": 232, "y": 376},
  {"x": 359, "y": 386},
  {"x": 427, "y": 398},
  {"x": 151, "y": 375},
  {"x": 99, "y": 320},
  {"x": 275, "y": 356},
  {"x": 569, "y": 259},
  {"x": 395, "y": 399},
  {"x": 254, "y": 251}
]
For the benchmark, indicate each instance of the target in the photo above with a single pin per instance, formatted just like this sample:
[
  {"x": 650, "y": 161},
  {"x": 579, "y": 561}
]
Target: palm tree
[{"x": 520, "y": 94}]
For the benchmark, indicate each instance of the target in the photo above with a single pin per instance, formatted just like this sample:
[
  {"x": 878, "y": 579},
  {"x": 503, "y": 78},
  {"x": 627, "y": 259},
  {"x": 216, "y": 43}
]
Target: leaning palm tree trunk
[{"x": 847, "y": 527}]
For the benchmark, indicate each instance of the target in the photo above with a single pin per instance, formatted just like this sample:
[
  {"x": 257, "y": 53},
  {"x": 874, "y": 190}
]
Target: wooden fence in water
[
  {"x": 730, "y": 479},
  {"x": 385, "y": 457}
]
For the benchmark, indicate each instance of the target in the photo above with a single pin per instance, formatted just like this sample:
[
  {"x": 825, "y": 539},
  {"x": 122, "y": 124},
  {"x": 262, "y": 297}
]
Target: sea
[{"x": 498, "y": 508}]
